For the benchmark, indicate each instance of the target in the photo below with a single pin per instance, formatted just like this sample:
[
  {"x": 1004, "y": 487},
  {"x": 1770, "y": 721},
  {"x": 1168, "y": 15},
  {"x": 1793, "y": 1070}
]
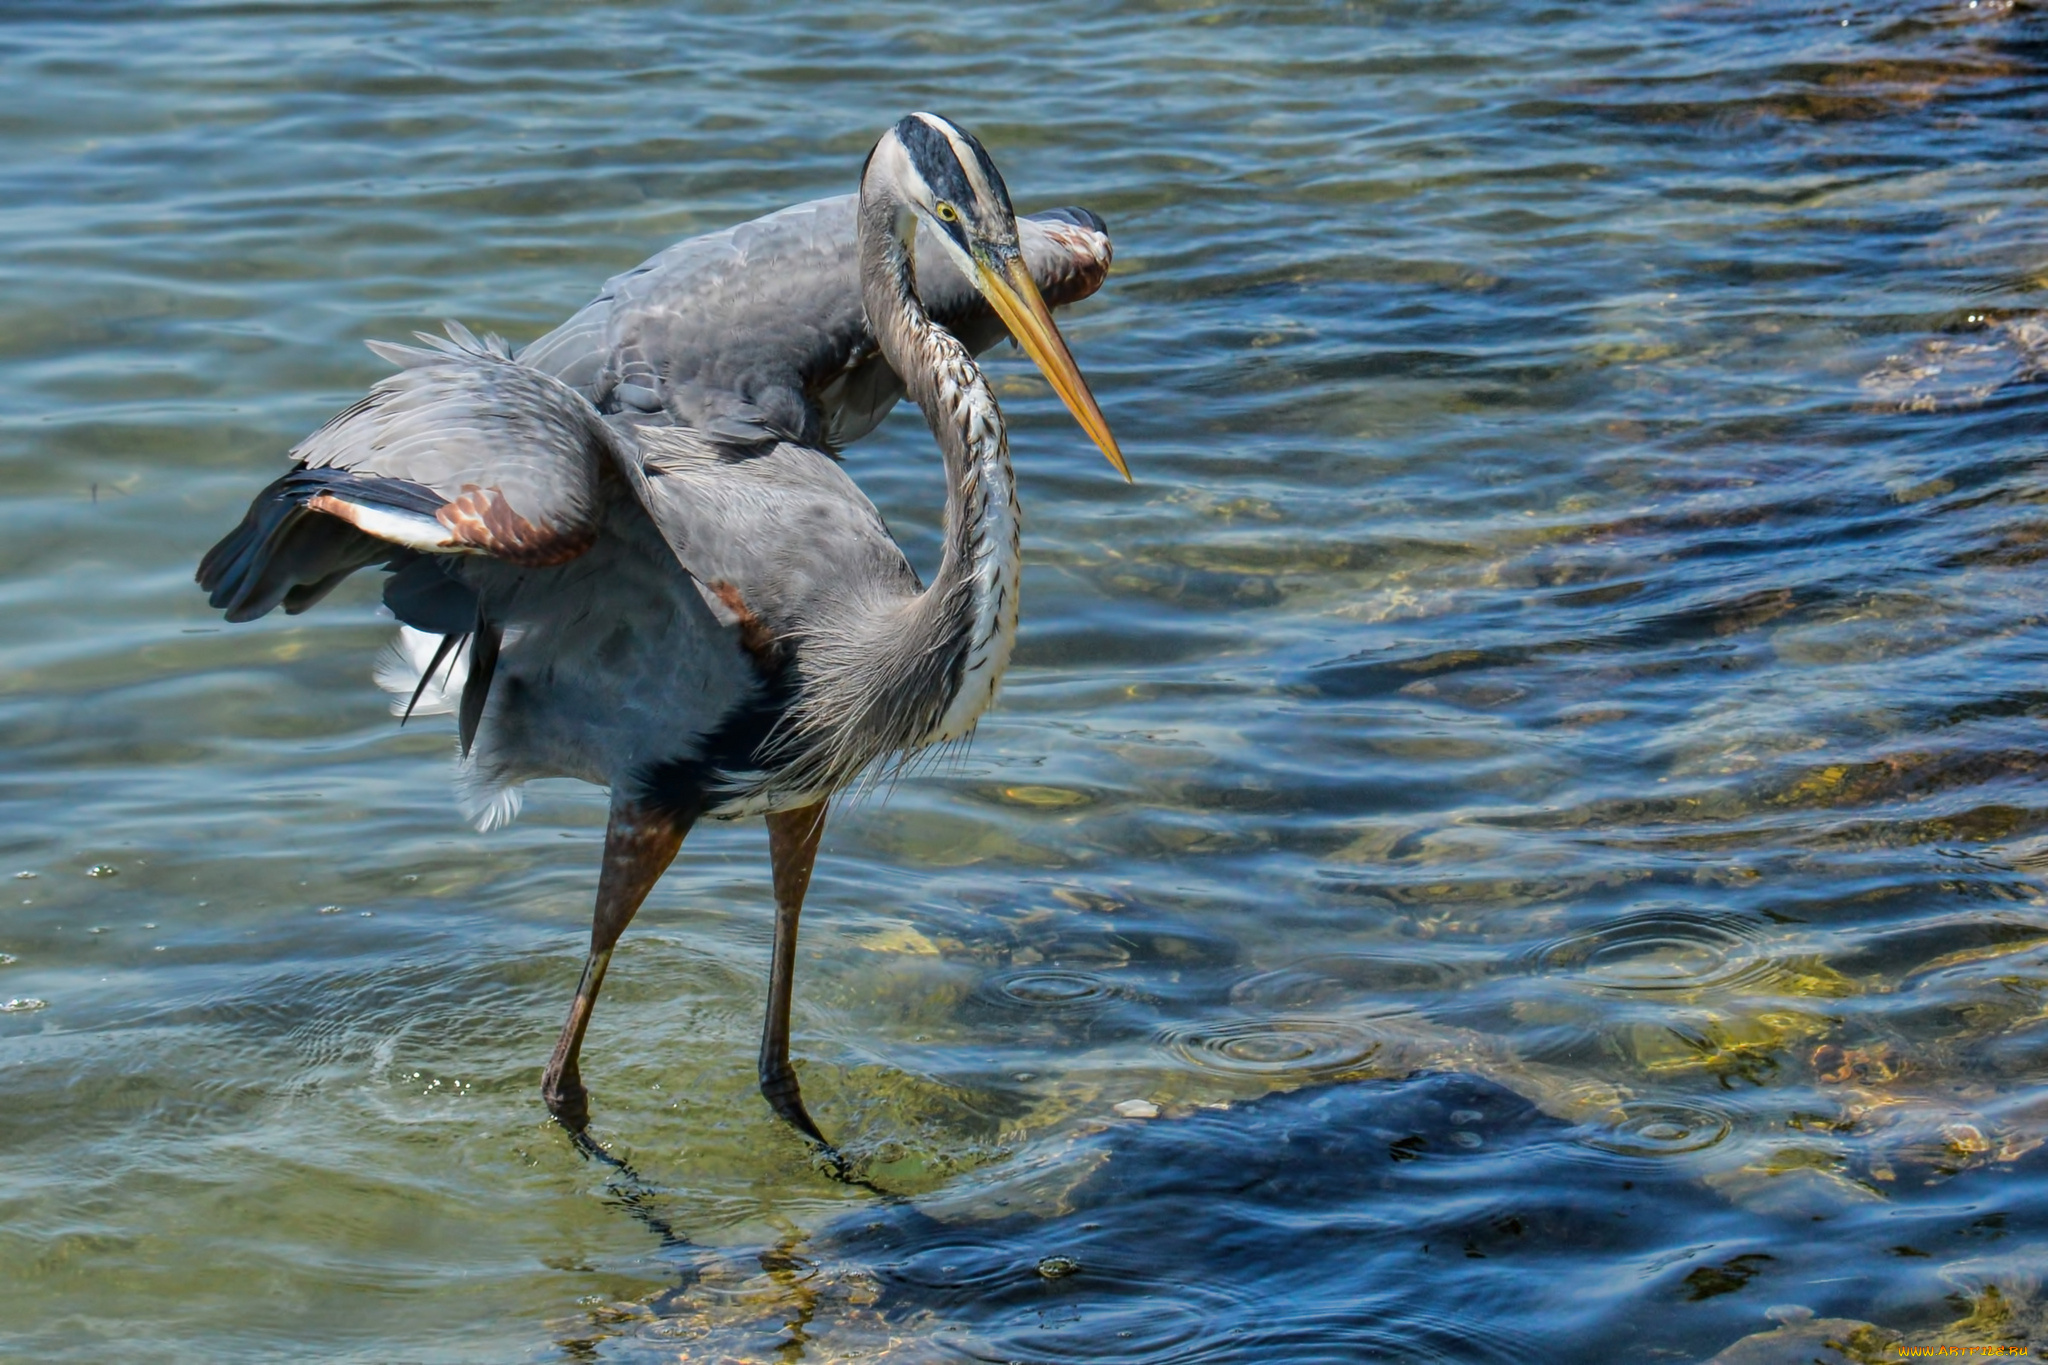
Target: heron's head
[{"x": 939, "y": 172}]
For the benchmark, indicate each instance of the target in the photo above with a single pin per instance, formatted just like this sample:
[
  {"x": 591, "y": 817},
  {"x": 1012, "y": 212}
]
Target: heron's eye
[{"x": 947, "y": 213}]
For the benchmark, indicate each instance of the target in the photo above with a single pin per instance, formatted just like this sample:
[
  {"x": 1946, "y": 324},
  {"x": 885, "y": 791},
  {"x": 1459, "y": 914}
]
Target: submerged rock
[
  {"x": 1439, "y": 1216},
  {"x": 1817, "y": 1341}
]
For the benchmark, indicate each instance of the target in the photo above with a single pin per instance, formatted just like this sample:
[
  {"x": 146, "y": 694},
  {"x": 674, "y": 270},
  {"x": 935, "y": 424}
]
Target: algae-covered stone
[
  {"x": 1793, "y": 1183},
  {"x": 1816, "y": 1341}
]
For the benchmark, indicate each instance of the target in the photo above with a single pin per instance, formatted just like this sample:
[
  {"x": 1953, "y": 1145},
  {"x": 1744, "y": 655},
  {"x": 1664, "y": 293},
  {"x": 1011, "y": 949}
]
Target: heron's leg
[
  {"x": 639, "y": 844},
  {"x": 792, "y": 848}
]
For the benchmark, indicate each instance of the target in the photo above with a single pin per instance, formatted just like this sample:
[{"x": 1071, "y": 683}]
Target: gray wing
[
  {"x": 464, "y": 451},
  {"x": 615, "y": 573},
  {"x": 775, "y": 538},
  {"x": 521, "y": 529},
  {"x": 758, "y": 332}
]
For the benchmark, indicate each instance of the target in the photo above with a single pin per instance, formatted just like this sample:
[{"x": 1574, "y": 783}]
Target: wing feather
[
  {"x": 462, "y": 451},
  {"x": 770, "y": 537},
  {"x": 758, "y": 332}
]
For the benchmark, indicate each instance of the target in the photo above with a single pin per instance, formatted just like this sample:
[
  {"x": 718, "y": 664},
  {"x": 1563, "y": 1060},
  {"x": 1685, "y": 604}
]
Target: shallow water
[{"x": 1537, "y": 783}]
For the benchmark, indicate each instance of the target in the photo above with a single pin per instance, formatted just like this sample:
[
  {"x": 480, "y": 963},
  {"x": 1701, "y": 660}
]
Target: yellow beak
[{"x": 1017, "y": 301}]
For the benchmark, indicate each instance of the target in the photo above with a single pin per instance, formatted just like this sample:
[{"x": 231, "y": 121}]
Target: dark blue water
[{"x": 1572, "y": 656}]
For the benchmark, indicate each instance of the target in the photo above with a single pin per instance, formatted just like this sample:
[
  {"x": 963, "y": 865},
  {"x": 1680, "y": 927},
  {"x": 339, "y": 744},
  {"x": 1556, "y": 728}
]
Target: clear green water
[{"x": 1576, "y": 634}]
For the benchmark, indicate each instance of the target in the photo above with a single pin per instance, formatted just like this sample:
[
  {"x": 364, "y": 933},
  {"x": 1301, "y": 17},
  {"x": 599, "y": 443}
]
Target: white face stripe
[{"x": 964, "y": 153}]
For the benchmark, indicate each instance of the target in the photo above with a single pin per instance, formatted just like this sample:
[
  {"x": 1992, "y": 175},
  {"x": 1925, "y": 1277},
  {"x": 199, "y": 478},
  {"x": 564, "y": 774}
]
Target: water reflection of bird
[{"x": 686, "y": 599}]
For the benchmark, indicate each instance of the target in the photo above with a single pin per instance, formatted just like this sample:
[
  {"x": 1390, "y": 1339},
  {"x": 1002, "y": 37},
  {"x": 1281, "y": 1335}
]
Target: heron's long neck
[{"x": 970, "y": 610}]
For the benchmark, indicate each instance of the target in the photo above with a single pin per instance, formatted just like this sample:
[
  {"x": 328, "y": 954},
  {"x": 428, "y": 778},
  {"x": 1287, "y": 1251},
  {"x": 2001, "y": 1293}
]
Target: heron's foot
[
  {"x": 567, "y": 1100},
  {"x": 779, "y": 1088},
  {"x": 782, "y": 1093}
]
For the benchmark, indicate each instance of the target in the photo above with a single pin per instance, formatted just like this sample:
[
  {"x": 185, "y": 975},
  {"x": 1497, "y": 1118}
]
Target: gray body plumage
[{"x": 662, "y": 659}]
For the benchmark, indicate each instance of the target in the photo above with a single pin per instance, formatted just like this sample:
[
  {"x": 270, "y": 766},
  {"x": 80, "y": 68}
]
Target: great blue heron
[{"x": 706, "y": 616}]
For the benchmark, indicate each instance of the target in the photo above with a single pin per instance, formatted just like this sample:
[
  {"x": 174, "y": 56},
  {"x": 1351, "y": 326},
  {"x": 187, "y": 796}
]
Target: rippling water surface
[{"x": 1520, "y": 836}]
